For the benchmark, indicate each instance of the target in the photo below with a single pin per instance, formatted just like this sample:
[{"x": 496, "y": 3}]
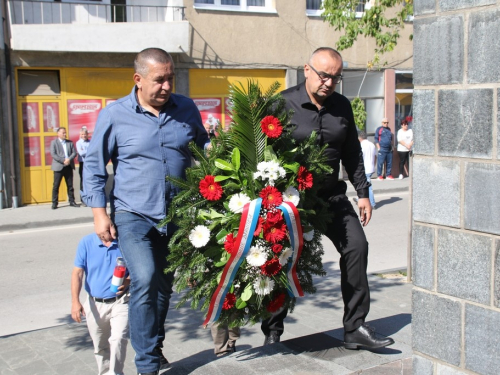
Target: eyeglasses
[
  {"x": 325, "y": 77},
  {"x": 385, "y": 122}
]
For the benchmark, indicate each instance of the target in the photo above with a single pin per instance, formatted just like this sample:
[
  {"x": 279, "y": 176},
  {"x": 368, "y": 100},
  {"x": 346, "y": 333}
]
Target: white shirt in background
[
  {"x": 369, "y": 155},
  {"x": 405, "y": 136}
]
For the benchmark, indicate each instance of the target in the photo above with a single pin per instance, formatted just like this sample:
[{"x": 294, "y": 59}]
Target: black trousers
[
  {"x": 67, "y": 173},
  {"x": 348, "y": 236},
  {"x": 80, "y": 172},
  {"x": 403, "y": 157}
]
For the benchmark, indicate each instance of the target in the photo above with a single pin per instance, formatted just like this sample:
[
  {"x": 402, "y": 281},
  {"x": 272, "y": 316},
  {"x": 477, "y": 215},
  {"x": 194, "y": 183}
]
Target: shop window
[{"x": 39, "y": 82}]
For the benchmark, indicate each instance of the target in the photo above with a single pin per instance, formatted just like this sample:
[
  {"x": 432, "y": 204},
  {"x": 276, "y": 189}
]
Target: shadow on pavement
[{"x": 383, "y": 202}]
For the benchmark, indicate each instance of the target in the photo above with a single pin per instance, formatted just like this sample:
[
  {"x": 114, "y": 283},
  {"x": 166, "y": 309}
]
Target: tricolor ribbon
[
  {"x": 292, "y": 220},
  {"x": 248, "y": 223}
]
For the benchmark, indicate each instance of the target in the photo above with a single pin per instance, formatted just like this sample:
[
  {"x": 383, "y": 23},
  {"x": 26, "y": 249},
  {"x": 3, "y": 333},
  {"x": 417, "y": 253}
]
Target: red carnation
[
  {"x": 210, "y": 189},
  {"x": 274, "y": 217},
  {"x": 271, "y": 126},
  {"x": 274, "y": 232},
  {"x": 304, "y": 178},
  {"x": 229, "y": 244},
  {"x": 276, "y": 248},
  {"x": 271, "y": 267},
  {"x": 229, "y": 301},
  {"x": 271, "y": 197},
  {"x": 276, "y": 303},
  {"x": 258, "y": 229}
]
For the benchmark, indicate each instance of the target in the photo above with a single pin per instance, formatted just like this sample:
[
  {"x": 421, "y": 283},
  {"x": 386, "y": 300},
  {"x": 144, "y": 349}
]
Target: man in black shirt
[{"x": 317, "y": 107}]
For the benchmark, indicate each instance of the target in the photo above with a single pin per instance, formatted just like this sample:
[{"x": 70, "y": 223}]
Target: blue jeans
[
  {"x": 145, "y": 250},
  {"x": 382, "y": 157},
  {"x": 370, "y": 190}
]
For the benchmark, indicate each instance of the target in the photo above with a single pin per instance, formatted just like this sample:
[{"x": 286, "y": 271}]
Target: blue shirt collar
[{"x": 172, "y": 101}]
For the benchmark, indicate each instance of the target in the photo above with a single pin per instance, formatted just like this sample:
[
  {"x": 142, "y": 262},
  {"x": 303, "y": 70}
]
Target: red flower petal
[
  {"x": 210, "y": 189},
  {"x": 276, "y": 248},
  {"x": 271, "y": 267},
  {"x": 304, "y": 178},
  {"x": 229, "y": 301},
  {"x": 229, "y": 244},
  {"x": 276, "y": 303},
  {"x": 271, "y": 197},
  {"x": 271, "y": 126},
  {"x": 274, "y": 232}
]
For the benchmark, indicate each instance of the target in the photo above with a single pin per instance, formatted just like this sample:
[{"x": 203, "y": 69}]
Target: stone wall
[{"x": 456, "y": 187}]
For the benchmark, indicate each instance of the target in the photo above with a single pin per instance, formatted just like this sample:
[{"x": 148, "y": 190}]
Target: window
[
  {"x": 260, "y": 6},
  {"x": 313, "y": 7},
  {"x": 38, "y": 82}
]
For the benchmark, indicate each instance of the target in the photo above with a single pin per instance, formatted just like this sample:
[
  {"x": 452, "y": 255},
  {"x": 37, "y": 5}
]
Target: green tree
[{"x": 381, "y": 20}]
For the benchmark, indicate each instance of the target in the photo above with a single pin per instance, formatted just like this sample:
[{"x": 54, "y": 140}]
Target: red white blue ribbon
[
  {"x": 292, "y": 220},
  {"x": 248, "y": 223}
]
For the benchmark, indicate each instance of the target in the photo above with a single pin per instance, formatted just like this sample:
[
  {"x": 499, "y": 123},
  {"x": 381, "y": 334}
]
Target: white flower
[
  {"x": 256, "y": 175},
  {"x": 199, "y": 236},
  {"x": 282, "y": 172},
  {"x": 256, "y": 256},
  {"x": 262, "y": 166},
  {"x": 286, "y": 253},
  {"x": 237, "y": 202},
  {"x": 309, "y": 235},
  {"x": 273, "y": 166},
  {"x": 263, "y": 285},
  {"x": 291, "y": 195}
]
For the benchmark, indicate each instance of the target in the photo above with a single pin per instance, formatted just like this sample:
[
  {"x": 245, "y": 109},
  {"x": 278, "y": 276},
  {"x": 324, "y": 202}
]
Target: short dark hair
[
  {"x": 62, "y": 127},
  {"x": 150, "y": 54},
  {"x": 362, "y": 134}
]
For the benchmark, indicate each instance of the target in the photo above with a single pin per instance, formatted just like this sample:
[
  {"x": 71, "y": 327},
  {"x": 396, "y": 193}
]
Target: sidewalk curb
[
  {"x": 381, "y": 191},
  {"x": 44, "y": 224}
]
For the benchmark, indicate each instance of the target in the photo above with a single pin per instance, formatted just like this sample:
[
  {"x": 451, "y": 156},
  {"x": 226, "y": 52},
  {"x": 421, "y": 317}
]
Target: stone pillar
[{"x": 456, "y": 187}]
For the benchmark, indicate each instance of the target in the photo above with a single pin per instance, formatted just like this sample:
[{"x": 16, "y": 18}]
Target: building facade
[{"x": 68, "y": 59}]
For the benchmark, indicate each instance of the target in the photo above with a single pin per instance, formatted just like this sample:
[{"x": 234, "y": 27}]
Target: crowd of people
[{"x": 145, "y": 135}]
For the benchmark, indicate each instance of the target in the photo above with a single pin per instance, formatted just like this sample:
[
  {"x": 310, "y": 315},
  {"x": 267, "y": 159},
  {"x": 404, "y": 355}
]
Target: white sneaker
[{"x": 400, "y": 176}]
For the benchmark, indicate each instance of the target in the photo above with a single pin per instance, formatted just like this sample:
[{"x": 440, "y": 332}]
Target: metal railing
[{"x": 24, "y": 12}]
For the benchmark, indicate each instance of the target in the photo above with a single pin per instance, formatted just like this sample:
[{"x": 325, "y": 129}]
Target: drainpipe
[{"x": 8, "y": 81}]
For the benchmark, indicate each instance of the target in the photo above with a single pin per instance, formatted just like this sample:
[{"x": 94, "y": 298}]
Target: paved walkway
[{"x": 311, "y": 343}]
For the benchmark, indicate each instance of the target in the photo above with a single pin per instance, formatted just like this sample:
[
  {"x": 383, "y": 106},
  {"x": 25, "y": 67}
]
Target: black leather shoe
[
  {"x": 148, "y": 373},
  {"x": 163, "y": 361},
  {"x": 272, "y": 338},
  {"x": 230, "y": 350},
  {"x": 54, "y": 206},
  {"x": 73, "y": 204},
  {"x": 364, "y": 336}
]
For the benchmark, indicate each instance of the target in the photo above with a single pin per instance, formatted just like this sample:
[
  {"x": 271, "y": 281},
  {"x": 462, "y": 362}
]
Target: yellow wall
[{"x": 36, "y": 132}]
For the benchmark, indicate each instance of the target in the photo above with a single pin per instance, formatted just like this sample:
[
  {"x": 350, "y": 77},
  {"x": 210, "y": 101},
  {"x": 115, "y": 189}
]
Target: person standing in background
[
  {"x": 383, "y": 141},
  {"x": 405, "y": 144},
  {"x": 81, "y": 148},
  {"x": 63, "y": 154},
  {"x": 369, "y": 158}
]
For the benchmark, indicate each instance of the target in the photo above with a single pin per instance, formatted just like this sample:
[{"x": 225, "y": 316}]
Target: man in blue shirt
[
  {"x": 106, "y": 312},
  {"x": 146, "y": 136},
  {"x": 383, "y": 141}
]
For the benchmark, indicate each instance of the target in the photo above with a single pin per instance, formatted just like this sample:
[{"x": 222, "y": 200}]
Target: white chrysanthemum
[
  {"x": 256, "y": 175},
  {"x": 282, "y": 172},
  {"x": 199, "y": 236},
  {"x": 273, "y": 166},
  {"x": 262, "y": 166},
  {"x": 237, "y": 202},
  {"x": 285, "y": 254},
  {"x": 291, "y": 195},
  {"x": 309, "y": 235},
  {"x": 273, "y": 175},
  {"x": 263, "y": 286},
  {"x": 256, "y": 256}
]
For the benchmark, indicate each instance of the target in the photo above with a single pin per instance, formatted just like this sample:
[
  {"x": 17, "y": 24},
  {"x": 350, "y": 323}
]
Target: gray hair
[
  {"x": 361, "y": 134},
  {"x": 150, "y": 54}
]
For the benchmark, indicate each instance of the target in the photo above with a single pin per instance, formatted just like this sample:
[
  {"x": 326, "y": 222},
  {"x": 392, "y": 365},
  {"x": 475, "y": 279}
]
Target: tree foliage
[{"x": 381, "y": 20}]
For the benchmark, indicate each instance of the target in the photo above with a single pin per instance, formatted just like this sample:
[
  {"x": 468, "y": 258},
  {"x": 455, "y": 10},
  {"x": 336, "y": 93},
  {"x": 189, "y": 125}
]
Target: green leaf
[
  {"x": 212, "y": 251},
  {"x": 247, "y": 293},
  {"x": 221, "y": 236},
  {"x": 224, "y": 165},
  {"x": 294, "y": 167},
  {"x": 223, "y": 260},
  {"x": 235, "y": 158},
  {"x": 222, "y": 178},
  {"x": 240, "y": 304}
]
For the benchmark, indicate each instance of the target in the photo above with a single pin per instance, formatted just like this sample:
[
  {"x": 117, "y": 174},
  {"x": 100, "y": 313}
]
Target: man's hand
[
  {"x": 103, "y": 225},
  {"x": 77, "y": 311},
  {"x": 66, "y": 162},
  {"x": 124, "y": 286},
  {"x": 365, "y": 210}
]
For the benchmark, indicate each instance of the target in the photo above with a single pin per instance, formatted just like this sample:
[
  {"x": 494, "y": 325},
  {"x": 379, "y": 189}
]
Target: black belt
[{"x": 107, "y": 300}]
